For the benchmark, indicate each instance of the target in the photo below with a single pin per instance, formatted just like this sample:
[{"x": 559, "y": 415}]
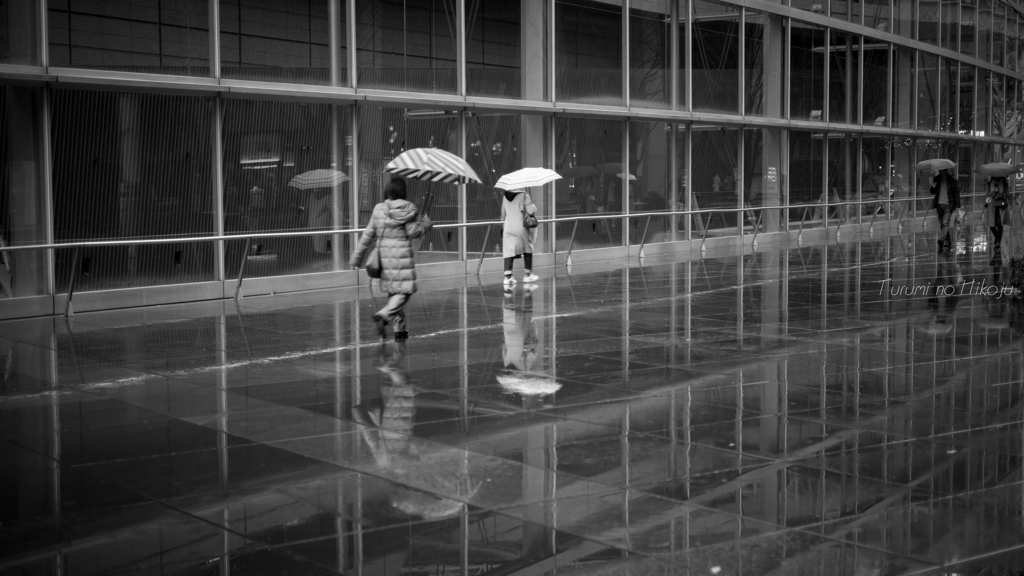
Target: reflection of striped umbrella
[
  {"x": 432, "y": 164},
  {"x": 322, "y": 178},
  {"x": 527, "y": 178}
]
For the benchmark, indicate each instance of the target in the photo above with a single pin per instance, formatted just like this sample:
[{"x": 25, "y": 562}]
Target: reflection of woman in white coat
[
  {"x": 520, "y": 350},
  {"x": 517, "y": 239}
]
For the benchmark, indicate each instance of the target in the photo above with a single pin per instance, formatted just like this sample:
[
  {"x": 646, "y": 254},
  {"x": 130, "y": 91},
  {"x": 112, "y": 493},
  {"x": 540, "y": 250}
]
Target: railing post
[
  {"x": 241, "y": 268},
  {"x": 572, "y": 240},
  {"x": 704, "y": 239},
  {"x": 75, "y": 265},
  {"x": 757, "y": 228},
  {"x": 483, "y": 249},
  {"x": 643, "y": 239}
]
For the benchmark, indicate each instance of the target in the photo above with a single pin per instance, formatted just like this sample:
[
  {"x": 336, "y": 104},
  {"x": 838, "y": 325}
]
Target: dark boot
[{"x": 997, "y": 231}]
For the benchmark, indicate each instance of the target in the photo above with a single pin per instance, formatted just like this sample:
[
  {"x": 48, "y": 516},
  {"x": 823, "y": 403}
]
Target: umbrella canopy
[
  {"x": 322, "y": 178},
  {"x": 997, "y": 169},
  {"x": 432, "y": 164},
  {"x": 526, "y": 178},
  {"x": 935, "y": 165}
]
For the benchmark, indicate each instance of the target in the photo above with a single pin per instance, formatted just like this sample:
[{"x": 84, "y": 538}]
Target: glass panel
[
  {"x": 875, "y": 194},
  {"x": 506, "y": 49},
  {"x": 843, "y": 81},
  {"x": 650, "y": 29},
  {"x": 588, "y": 45},
  {"x": 22, "y": 215},
  {"x": 166, "y": 38},
  {"x": 876, "y": 83},
  {"x": 1011, "y": 39},
  {"x": 715, "y": 57},
  {"x": 807, "y": 72},
  {"x": 949, "y": 83},
  {"x": 285, "y": 41},
  {"x": 984, "y": 35},
  {"x": 968, "y": 27},
  {"x": 999, "y": 104},
  {"x": 902, "y": 87},
  {"x": 998, "y": 33},
  {"x": 761, "y": 178},
  {"x": 805, "y": 178},
  {"x": 950, "y": 24},
  {"x": 715, "y": 175},
  {"x": 842, "y": 171},
  {"x": 387, "y": 132},
  {"x": 839, "y": 9},
  {"x": 19, "y": 43},
  {"x": 266, "y": 145},
  {"x": 147, "y": 176},
  {"x": 903, "y": 17},
  {"x": 927, "y": 91},
  {"x": 406, "y": 45},
  {"x": 928, "y": 21},
  {"x": 650, "y": 163},
  {"x": 982, "y": 125},
  {"x": 965, "y": 118},
  {"x": 764, "y": 74},
  {"x": 589, "y": 158},
  {"x": 816, "y": 6},
  {"x": 878, "y": 15},
  {"x": 499, "y": 144},
  {"x": 965, "y": 174},
  {"x": 902, "y": 172}
]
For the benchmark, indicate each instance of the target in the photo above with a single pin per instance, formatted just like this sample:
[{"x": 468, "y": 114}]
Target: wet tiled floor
[{"x": 779, "y": 412}]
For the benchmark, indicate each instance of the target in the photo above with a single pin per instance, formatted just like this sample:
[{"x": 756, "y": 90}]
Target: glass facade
[{"x": 668, "y": 120}]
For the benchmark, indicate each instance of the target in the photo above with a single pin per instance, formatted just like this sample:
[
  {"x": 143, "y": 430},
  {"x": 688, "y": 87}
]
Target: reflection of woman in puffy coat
[
  {"x": 394, "y": 223},
  {"x": 996, "y": 203}
]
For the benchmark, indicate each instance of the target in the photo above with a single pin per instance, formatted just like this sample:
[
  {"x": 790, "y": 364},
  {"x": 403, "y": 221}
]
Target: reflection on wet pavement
[{"x": 820, "y": 410}]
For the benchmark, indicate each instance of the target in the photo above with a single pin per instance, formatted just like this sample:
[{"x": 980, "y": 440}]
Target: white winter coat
[{"x": 517, "y": 239}]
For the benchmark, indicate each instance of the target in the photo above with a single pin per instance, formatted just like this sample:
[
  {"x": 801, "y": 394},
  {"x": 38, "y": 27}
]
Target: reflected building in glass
[{"x": 150, "y": 151}]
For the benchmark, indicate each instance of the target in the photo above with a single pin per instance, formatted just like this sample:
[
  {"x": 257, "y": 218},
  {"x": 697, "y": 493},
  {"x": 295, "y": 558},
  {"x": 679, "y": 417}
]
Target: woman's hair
[{"x": 395, "y": 190}]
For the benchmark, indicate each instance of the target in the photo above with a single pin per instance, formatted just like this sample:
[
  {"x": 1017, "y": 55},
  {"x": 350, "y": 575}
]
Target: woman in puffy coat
[
  {"x": 394, "y": 223},
  {"x": 517, "y": 239}
]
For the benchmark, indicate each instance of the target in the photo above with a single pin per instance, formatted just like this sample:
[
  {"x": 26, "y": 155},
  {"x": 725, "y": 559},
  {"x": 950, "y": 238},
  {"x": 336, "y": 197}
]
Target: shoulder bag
[
  {"x": 373, "y": 263},
  {"x": 529, "y": 220}
]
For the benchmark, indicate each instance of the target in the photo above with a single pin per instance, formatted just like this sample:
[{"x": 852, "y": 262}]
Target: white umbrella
[
  {"x": 935, "y": 164},
  {"x": 432, "y": 164},
  {"x": 527, "y": 178},
  {"x": 322, "y": 178}
]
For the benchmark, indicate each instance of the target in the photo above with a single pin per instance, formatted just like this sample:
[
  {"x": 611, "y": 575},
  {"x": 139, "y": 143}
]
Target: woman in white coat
[{"x": 517, "y": 239}]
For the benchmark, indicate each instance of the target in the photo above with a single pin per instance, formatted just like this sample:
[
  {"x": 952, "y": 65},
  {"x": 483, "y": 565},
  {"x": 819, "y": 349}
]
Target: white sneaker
[
  {"x": 531, "y": 277},
  {"x": 509, "y": 281}
]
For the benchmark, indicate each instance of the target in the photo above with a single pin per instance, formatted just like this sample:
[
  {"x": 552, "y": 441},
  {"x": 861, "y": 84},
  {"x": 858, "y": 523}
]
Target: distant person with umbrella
[
  {"x": 945, "y": 201},
  {"x": 996, "y": 202},
  {"x": 517, "y": 239},
  {"x": 393, "y": 225}
]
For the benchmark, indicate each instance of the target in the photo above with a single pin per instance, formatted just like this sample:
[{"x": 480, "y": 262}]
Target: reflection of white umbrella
[
  {"x": 322, "y": 178},
  {"x": 527, "y": 178},
  {"x": 426, "y": 506},
  {"x": 993, "y": 323},
  {"x": 529, "y": 384},
  {"x": 997, "y": 169},
  {"x": 432, "y": 164},
  {"x": 934, "y": 328},
  {"x": 935, "y": 165}
]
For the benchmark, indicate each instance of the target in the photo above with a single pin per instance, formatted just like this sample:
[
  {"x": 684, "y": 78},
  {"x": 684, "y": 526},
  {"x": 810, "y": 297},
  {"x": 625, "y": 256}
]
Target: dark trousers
[{"x": 527, "y": 262}]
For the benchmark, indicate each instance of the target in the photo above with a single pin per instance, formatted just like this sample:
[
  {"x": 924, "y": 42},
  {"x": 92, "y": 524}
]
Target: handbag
[
  {"x": 529, "y": 220},
  {"x": 1000, "y": 202},
  {"x": 373, "y": 263}
]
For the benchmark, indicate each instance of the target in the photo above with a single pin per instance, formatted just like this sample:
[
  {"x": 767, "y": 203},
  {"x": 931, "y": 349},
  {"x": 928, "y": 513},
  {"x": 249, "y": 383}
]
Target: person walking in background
[
  {"x": 996, "y": 202},
  {"x": 394, "y": 223},
  {"x": 945, "y": 201},
  {"x": 517, "y": 239}
]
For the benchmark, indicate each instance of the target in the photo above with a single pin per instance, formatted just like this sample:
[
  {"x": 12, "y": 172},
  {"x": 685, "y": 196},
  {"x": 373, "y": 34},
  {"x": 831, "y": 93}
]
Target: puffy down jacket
[{"x": 396, "y": 223}]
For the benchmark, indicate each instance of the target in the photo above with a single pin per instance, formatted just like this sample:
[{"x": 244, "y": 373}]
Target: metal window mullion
[
  {"x": 688, "y": 72},
  {"x": 673, "y": 178},
  {"x": 915, "y": 76},
  {"x": 625, "y": 57},
  {"x": 674, "y": 54},
  {"x": 825, "y": 113},
  {"x": 552, "y": 64},
  {"x": 352, "y": 62},
  {"x": 460, "y": 55},
  {"x": 217, "y": 177},
  {"x": 687, "y": 173},
  {"x": 788, "y": 66},
  {"x": 46, "y": 152},
  {"x": 43, "y": 34},
  {"x": 738, "y": 182},
  {"x": 463, "y": 231},
  {"x": 742, "y": 64},
  {"x": 858, "y": 114},
  {"x": 549, "y": 137},
  {"x": 888, "y": 78},
  {"x": 625, "y": 183},
  {"x": 334, "y": 14},
  {"x": 354, "y": 175},
  {"x": 213, "y": 13}
]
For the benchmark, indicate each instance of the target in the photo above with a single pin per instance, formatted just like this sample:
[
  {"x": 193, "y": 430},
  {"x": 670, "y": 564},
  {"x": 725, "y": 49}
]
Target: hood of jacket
[{"x": 400, "y": 212}]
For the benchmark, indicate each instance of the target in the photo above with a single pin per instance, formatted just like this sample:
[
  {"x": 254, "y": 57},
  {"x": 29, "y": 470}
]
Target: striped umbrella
[
  {"x": 997, "y": 169},
  {"x": 526, "y": 178},
  {"x": 322, "y": 178},
  {"x": 432, "y": 164}
]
